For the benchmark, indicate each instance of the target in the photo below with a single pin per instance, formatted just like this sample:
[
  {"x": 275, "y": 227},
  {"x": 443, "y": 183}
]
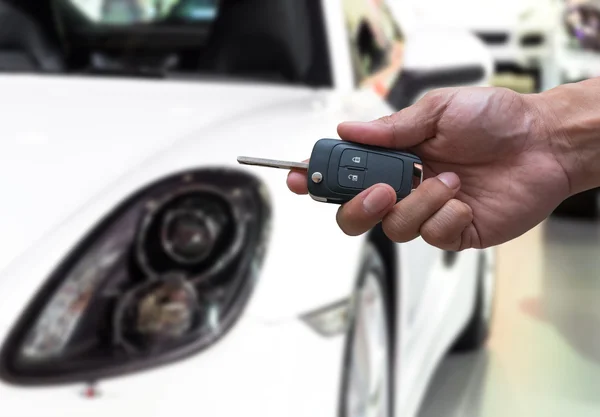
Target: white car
[
  {"x": 519, "y": 34},
  {"x": 145, "y": 272}
]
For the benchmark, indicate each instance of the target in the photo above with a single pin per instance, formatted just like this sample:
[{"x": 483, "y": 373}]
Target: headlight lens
[
  {"x": 160, "y": 312},
  {"x": 189, "y": 236},
  {"x": 191, "y": 230},
  {"x": 162, "y": 277}
]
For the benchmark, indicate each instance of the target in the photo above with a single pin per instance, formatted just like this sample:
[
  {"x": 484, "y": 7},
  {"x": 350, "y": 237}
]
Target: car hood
[
  {"x": 72, "y": 149},
  {"x": 64, "y": 140}
]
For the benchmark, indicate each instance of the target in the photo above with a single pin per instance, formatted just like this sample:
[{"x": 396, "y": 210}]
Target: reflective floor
[{"x": 543, "y": 358}]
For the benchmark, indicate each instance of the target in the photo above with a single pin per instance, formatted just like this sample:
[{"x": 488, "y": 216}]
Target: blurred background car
[
  {"x": 146, "y": 273},
  {"x": 518, "y": 33}
]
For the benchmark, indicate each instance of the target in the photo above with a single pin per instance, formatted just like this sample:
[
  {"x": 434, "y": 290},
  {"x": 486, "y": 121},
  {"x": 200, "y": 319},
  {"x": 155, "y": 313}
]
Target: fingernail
[
  {"x": 450, "y": 179},
  {"x": 377, "y": 200}
]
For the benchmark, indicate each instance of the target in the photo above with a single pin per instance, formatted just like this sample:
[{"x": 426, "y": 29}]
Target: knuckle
[
  {"x": 460, "y": 210},
  {"x": 437, "y": 234},
  {"x": 397, "y": 227},
  {"x": 436, "y": 101},
  {"x": 431, "y": 95},
  {"x": 435, "y": 97},
  {"x": 388, "y": 120},
  {"x": 447, "y": 227},
  {"x": 429, "y": 187},
  {"x": 433, "y": 189}
]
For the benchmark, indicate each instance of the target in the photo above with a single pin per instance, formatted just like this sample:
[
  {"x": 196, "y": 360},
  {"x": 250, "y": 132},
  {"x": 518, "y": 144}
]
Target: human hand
[{"x": 490, "y": 166}]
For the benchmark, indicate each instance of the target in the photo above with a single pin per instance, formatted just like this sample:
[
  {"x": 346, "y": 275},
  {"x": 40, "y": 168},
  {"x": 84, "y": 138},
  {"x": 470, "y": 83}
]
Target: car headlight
[{"x": 162, "y": 277}]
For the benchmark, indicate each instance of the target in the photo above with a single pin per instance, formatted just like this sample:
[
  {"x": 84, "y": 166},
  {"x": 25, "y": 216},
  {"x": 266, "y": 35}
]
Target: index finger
[{"x": 407, "y": 128}]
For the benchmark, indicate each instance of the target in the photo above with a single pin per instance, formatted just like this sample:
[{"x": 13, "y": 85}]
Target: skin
[{"x": 497, "y": 163}]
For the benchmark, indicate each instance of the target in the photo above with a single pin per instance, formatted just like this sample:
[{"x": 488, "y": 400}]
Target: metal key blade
[{"x": 272, "y": 163}]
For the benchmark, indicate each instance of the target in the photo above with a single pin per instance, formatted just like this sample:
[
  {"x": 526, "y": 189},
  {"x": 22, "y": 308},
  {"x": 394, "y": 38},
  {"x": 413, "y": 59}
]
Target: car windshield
[{"x": 274, "y": 40}]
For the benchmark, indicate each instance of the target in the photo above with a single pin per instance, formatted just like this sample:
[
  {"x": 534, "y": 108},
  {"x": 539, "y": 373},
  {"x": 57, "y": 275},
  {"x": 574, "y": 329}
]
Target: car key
[{"x": 339, "y": 170}]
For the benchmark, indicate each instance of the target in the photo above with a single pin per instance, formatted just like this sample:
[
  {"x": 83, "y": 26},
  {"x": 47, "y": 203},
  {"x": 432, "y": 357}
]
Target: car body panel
[
  {"x": 75, "y": 147},
  {"x": 250, "y": 372},
  {"x": 455, "y": 49},
  {"x": 283, "y": 292},
  {"x": 89, "y": 171},
  {"x": 338, "y": 45},
  {"x": 445, "y": 306},
  {"x": 99, "y": 131}
]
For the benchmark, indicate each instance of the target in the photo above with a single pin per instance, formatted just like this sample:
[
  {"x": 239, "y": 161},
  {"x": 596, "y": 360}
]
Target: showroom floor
[{"x": 543, "y": 358}]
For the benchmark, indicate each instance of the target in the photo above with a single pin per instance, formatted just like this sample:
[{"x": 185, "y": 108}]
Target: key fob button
[
  {"x": 351, "y": 178},
  {"x": 384, "y": 169},
  {"x": 353, "y": 158}
]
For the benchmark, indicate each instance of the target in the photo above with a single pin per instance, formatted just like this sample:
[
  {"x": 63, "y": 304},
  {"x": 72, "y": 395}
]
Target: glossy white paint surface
[
  {"x": 73, "y": 148},
  {"x": 256, "y": 370},
  {"x": 444, "y": 42}
]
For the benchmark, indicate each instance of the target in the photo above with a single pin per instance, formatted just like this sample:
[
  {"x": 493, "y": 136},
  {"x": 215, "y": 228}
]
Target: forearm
[{"x": 570, "y": 117}]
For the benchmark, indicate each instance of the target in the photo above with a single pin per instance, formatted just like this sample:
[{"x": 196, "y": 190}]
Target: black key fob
[{"x": 339, "y": 170}]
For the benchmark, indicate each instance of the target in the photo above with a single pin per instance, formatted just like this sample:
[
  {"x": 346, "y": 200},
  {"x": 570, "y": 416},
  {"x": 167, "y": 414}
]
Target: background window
[{"x": 376, "y": 44}]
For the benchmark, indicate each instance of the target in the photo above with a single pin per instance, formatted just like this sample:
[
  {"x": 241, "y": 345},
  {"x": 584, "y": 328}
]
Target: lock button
[
  {"x": 353, "y": 159},
  {"x": 351, "y": 178}
]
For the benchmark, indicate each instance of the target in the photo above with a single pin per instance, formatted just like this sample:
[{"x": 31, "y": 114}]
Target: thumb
[{"x": 404, "y": 129}]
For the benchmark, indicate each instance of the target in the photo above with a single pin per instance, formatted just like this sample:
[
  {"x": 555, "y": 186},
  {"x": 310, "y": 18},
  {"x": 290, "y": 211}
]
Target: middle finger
[{"x": 403, "y": 222}]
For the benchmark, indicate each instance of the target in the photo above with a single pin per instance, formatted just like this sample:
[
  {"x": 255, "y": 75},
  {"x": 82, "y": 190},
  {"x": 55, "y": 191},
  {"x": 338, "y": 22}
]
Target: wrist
[{"x": 568, "y": 120}]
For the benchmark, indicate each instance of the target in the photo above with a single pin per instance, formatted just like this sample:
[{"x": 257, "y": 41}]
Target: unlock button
[{"x": 351, "y": 178}]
